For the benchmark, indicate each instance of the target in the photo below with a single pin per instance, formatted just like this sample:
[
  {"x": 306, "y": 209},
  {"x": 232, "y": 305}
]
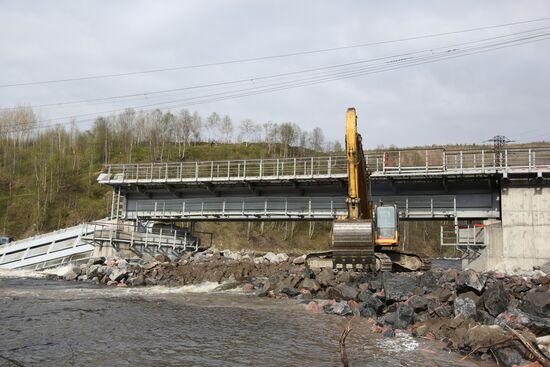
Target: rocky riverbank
[{"x": 483, "y": 315}]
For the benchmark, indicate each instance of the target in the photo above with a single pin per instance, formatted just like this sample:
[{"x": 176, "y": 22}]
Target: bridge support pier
[{"x": 522, "y": 238}]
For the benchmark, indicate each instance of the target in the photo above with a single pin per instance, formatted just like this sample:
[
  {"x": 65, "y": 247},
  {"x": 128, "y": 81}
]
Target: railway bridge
[{"x": 505, "y": 192}]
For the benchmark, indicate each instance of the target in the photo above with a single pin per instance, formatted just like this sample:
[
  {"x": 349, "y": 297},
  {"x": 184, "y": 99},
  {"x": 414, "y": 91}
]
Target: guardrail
[
  {"x": 468, "y": 239},
  {"x": 268, "y": 208},
  {"x": 409, "y": 162},
  {"x": 234, "y": 170},
  {"x": 114, "y": 234}
]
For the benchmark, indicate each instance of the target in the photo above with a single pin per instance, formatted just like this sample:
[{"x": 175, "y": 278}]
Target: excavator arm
[{"x": 357, "y": 200}]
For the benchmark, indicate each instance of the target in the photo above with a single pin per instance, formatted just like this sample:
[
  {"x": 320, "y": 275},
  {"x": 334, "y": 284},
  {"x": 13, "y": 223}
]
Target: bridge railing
[
  {"x": 249, "y": 169},
  {"x": 432, "y": 161},
  {"x": 390, "y": 163},
  {"x": 240, "y": 208}
]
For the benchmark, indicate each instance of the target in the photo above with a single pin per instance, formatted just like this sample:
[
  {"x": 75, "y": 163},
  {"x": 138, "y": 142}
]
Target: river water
[{"x": 53, "y": 323}]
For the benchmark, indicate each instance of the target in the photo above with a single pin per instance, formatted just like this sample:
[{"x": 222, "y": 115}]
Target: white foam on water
[
  {"x": 402, "y": 342},
  {"x": 159, "y": 289},
  {"x": 18, "y": 273},
  {"x": 60, "y": 270}
]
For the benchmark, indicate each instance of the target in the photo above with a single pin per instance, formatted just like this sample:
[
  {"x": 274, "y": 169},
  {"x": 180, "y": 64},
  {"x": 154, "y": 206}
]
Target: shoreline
[{"x": 480, "y": 315}]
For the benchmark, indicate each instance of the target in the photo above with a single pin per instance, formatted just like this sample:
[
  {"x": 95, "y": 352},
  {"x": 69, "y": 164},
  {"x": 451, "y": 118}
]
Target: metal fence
[{"x": 390, "y": 163}]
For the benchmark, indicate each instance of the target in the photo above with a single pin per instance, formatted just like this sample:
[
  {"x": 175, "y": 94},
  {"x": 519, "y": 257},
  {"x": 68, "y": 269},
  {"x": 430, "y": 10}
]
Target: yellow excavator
[{"x": 367, "y": 238}]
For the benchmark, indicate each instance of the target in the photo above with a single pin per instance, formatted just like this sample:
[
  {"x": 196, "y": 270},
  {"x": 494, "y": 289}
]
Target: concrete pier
[{"x": 521, "y": 240}]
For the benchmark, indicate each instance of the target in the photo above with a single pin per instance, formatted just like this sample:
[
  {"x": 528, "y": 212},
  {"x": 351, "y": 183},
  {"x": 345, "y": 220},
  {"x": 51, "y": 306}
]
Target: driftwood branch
[
  {"x": 342, "y": 343},
  {"x": 531, "y": 348}
]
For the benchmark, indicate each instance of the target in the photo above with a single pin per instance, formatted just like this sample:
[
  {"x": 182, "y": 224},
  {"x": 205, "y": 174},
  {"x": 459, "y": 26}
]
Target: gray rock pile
[{"x": 478, "y": 313}]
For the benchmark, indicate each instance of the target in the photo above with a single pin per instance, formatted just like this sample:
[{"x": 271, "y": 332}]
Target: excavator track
[
  {"x": 408, "y": 260},
  {"x": 383, "y": 262}
]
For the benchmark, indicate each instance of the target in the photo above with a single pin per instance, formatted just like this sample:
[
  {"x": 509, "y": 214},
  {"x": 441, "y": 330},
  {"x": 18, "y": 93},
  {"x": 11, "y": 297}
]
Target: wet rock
[
  {"x": 313, "y": 307},
  {"x": 291, "y": 292},
  {"x": 70, "y": 275},
  {"x": 398, "y": 287},
  {"x": 374, "y": 303},
  {"x": 366, "y": 311},
  {"x": 469, "y": 279},
  {"x": 536, "y": 303},
  {"x": 495, "y": 299},
  {"x": 403, "y": 316},
  {"x": 465, "y": 307},
  {"x": 347, "y": 292},
  {"x": 310, "y": 284},
  {"x": 388, "y": 333},
  {"x": 248, "y": 287},
  {"x": 339, "y": 308},
  {"x": 112, "y": 283}
]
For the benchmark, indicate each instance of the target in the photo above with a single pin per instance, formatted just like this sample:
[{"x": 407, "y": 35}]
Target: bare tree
[
  {"x": 288, "y": 135},
  {"x": 212, "y": 125},
  {"x": 184, "y": 131},
  {"x": 226, "y": 129},
  {"x": 317, "y": 139},
  {"x": 196, "y": 126}
]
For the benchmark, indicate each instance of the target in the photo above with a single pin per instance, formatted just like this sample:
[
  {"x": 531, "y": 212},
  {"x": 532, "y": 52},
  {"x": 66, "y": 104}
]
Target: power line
[
  {"x": 445, "y": 55},
  {"x": 255, "y": 79},
  {"x": 242, "y": 60}
]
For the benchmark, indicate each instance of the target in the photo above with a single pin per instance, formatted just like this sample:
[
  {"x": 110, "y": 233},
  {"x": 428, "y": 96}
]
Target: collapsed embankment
[{"x": 487, "y": 315}]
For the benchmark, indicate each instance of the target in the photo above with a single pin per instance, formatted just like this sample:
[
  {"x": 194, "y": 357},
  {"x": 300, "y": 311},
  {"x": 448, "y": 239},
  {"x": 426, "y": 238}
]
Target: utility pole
[{"x": 499, "y": 144}]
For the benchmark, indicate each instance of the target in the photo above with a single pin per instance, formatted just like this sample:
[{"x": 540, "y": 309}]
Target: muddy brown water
[{"x": 54, "y": 323}]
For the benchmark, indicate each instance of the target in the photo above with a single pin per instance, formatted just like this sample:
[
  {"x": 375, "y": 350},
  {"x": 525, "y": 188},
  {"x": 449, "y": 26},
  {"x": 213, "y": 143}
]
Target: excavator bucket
[{"x": 353, "y": 245}]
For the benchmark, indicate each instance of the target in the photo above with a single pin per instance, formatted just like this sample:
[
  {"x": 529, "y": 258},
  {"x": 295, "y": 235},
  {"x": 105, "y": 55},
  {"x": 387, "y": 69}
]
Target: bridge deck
[{"x": 407, "y": 163}]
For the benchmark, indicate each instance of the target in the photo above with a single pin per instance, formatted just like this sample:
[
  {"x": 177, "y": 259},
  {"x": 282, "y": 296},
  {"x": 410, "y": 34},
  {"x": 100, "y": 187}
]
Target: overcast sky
[{"x": 462, "y": 100}]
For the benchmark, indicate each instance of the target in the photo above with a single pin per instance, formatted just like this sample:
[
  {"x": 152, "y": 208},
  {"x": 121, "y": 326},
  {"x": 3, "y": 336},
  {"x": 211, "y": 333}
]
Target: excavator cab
[{"x": 387, "y": 225}]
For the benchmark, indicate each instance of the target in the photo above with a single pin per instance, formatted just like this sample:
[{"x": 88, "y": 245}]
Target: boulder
[
  {"x": 398, "y": 287},
  {"x": 465, "y": 307},
  {"x": 313, "y": 307},
  {"x": 495, "y": 299},
  {"x": 341, "y": 308},
  {"x": 388, "y": 333},
  {"x": 70, "y": 275},
  {"x": 364, "y": 295},
  {"x": 299, "y": 260},
  {"x": 118, "y": 274},
  {"x": 444, "y": 311},
  {"x": 374, "y": 303},
  {"x": 366, "y": 311},
  {"x": 482, "y": 336},
  {"x": 536, "y": 303},
  {"x": 275, "y": 258},
  {"x": 427, "y": 280},
  {"x": 310, "y": 284},
  {"x": 137, "y": 280},
  {"x": 326, "y": 278},
  {"x": 291, "y": 292},
  {"x": 418, "y": 303},
  {"x": 517, "y": 319},
  {"x": 543, "y": 343},
  {"x": 510, "y": 356},
  {"x": 94, "y": 270},
  {"x": 248, "y": 287},
  {"x": 347, "y": 292},
  {"x": 471, "y": 280},
  {"x": 162, "y": 258},
  {"x": 404, "y": 316}
]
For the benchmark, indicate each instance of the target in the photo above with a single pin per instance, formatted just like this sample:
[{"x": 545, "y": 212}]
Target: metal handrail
[{"x": 427, "y": 161}]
